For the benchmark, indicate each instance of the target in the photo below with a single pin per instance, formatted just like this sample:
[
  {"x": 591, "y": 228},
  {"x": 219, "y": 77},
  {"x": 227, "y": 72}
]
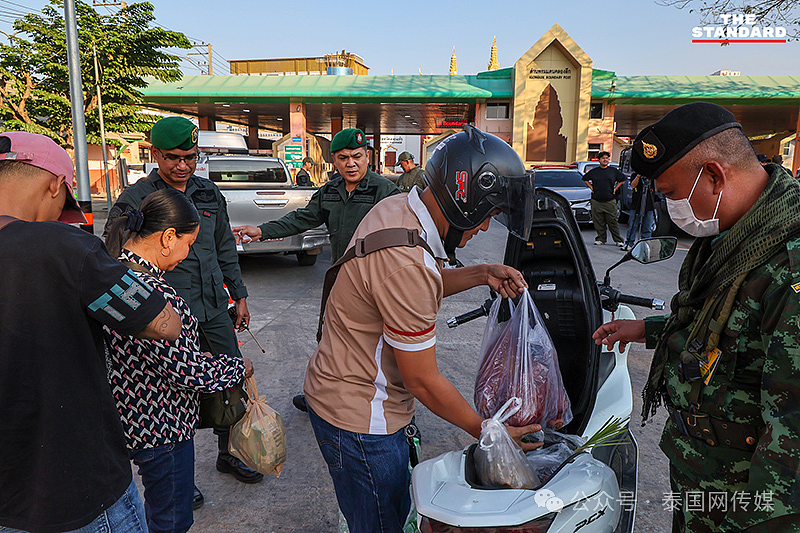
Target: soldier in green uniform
[
  {"x": 212, "y": 258},
  {"x": 412, "y": 174},
  {"x": 340, "y": 204},
  {"x": 727, "y": 358}
]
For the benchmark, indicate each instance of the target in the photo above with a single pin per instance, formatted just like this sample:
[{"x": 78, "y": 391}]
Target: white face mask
[{"x": 682, "y": 214}]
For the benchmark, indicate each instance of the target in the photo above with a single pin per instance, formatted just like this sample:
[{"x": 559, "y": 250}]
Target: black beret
[
  {"x": 174, "y": 132},
  {"x": 660, "y": 145}
]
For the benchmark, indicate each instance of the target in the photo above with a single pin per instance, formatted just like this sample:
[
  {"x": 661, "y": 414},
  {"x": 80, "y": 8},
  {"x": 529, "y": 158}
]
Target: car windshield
[
  {"x": 260, "y": 171},
  {"x": 558, "y": 178}
]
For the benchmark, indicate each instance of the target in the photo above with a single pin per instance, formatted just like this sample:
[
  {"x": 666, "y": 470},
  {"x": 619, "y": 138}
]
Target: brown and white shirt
[{"x": 388, "y": 299}]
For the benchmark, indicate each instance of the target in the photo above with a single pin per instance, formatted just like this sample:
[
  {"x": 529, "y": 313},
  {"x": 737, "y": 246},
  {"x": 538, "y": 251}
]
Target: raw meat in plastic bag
[
  {"x": 499, "y": 462},
  {"x": 519, "y": 359}
]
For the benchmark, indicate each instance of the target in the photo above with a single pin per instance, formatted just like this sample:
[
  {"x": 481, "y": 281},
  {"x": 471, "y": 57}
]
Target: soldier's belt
[{"x": 716, "y": 432}]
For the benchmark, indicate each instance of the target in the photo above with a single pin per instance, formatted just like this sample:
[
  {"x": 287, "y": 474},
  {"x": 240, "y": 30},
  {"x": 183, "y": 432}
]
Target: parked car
[
  {"x": 258, "y": 190},
  {"x": 567, "y": 181}
]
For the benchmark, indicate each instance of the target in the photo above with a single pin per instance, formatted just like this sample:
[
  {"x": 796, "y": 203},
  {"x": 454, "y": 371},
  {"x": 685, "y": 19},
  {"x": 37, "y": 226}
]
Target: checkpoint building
[{"x": 552, "y": 105}]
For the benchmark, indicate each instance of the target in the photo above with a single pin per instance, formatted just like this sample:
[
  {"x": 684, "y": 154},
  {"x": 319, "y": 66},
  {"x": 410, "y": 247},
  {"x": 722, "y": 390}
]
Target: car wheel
[
  {"x": 622, "y": 215},
  {"x": 304, "y": 259}
]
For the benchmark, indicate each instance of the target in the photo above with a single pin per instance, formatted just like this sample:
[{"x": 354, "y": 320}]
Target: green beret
[
  {"x": 660, "y": 145},
  {"x": 174, "y": 132},
  {"x": 348, "y": 138}
]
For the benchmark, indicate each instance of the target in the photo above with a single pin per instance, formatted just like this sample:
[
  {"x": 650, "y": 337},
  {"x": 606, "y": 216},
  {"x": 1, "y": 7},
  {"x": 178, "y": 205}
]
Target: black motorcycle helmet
[{"x": 472, "y": 174}]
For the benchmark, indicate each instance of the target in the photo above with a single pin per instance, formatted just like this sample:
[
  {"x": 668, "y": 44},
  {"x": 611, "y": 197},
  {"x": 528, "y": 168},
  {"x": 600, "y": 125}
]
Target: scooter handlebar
[
  {"x": 652, "y": 303},
  {"x": 483, "y": 310}
]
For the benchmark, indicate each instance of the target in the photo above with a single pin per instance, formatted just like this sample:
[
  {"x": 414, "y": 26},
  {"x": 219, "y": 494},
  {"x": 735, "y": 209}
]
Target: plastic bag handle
[
  {"x": 513, "y": 405},
  {"x": 252, "y": 389}
]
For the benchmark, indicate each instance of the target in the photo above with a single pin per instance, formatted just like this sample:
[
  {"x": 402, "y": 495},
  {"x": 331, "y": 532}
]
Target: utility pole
[
  {"x": 78, "y": 119},
  {"x": 207, "y": 55},
  {"x": 102, "y": 128}
]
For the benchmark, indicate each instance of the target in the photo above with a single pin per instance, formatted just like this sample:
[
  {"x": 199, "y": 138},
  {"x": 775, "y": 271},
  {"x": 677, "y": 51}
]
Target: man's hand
[
  {"x": 248, "y": 367},
  {"x": 505, "y": 280},
  {"x": 246, "y": 233},
  {"x": 624, "y": 331},
  {"x": 517, "y": 433},
  {"x": 242, "y": 314}
]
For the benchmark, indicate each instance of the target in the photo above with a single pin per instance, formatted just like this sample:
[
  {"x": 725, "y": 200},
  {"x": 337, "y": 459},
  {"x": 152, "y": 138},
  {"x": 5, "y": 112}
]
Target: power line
[{"x": 20, "y": 5}]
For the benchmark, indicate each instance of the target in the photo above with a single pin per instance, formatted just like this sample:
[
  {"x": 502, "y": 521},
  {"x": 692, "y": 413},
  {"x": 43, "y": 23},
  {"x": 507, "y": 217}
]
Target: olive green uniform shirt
[
  {"x": 407, "y": 180},
  {"x": 212, "y": 258},
  {"x": 333, "y": 206}
]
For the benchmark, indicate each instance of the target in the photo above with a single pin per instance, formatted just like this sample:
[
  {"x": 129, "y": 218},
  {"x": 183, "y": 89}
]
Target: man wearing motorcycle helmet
[
  {"x": 378, "y": 347},
  {"x": 727, "y": 358}
]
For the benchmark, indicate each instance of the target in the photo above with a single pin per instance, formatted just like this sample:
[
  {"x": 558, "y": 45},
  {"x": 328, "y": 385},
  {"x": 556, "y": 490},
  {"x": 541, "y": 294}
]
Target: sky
[{"x": 636, "y": 37}]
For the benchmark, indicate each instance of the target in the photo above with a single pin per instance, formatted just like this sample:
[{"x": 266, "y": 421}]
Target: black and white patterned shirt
[{"x": 156, "y": 384}]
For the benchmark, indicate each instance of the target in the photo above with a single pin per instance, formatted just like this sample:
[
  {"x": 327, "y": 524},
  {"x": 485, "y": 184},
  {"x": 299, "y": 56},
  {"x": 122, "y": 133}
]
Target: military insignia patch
[
  {"x": 649, "y": 150},
  {"x": 359, "y": 138},
  {"x": 796, "y": 288},
  {"x": 195, "y": 133}
]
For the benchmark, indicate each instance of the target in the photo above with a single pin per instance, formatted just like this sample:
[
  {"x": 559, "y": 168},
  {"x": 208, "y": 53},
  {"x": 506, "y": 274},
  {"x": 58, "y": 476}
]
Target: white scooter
[{"x": 592, "y": 491}]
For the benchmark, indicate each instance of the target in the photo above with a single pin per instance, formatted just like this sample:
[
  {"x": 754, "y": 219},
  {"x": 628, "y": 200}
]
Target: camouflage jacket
[
  {"x": 756, "y": 382},
  {"x": 333, "y": 206},
  {"x": 407, "y": 180}
]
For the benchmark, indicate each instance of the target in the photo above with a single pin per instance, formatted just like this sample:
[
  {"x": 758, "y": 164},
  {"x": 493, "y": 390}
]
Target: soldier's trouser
[
  {"x": 221, "y": 334},
  {"x": 604, "y": 214}
]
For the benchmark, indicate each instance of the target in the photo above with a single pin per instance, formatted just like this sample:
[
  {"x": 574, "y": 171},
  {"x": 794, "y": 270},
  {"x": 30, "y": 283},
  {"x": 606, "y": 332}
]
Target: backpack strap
[{"x": 377, "y": 240}]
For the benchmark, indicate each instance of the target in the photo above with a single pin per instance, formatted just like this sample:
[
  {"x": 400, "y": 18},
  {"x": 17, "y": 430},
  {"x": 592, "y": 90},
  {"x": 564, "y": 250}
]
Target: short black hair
[
  {"x": 601, "y": 154},
  {"x": 777, "y": 159}
]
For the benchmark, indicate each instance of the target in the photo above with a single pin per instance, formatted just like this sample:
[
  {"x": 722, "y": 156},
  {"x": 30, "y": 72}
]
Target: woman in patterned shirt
[{"x": 156, "y": 384}]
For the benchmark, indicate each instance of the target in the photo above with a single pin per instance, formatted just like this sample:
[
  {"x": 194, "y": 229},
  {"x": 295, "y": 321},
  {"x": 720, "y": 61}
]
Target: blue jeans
[
  {"x": 634, "y": 222},
  {"x": 168, "y": 477},
  {"x": 370, "y": 475},
  {"x": 125, "y": 516}
]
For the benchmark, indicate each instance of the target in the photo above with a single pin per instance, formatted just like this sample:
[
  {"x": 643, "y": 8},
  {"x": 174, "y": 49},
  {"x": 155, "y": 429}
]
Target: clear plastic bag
[
  {"x": 499, "y": 462},
  {"x": 558, "y": 447},
  {"x": 518, "y": 359},
  {"x": 259, "y": 439}
]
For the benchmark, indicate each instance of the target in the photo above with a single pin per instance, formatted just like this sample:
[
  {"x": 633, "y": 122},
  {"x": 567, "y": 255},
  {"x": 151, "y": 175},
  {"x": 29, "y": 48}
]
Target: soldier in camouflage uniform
[
  {"x": 727, "y": 358},
  {"x": 412, "y": 175},
  {"x": 340, "y": 204}
]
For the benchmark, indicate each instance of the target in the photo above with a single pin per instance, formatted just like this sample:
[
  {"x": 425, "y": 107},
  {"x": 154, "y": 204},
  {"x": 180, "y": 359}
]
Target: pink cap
[{"x": 42, "y": 152}]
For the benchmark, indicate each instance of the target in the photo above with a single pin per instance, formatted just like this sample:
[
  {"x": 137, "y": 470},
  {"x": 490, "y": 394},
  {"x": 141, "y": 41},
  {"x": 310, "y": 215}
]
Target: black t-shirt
[
  {"x": 64, "y": 459},
  {"x": 603, "y": 181}
]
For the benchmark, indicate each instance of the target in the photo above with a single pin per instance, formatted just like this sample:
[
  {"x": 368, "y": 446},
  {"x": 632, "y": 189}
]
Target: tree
[
  {"x": 34, "y": 78},
  {"x": 784, "y": 13}
]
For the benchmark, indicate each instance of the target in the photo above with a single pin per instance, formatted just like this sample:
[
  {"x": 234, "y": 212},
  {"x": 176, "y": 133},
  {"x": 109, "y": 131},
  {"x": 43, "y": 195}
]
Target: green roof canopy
[{"x": 367, "y": 89}]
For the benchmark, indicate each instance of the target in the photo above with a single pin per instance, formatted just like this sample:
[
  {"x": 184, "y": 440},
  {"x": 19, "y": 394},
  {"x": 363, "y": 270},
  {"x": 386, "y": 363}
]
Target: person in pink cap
[{"x": 65, "y": 464}]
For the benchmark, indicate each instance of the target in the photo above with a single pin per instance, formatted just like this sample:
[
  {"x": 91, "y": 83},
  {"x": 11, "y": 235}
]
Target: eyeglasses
[{"x": 172, "y": 158}]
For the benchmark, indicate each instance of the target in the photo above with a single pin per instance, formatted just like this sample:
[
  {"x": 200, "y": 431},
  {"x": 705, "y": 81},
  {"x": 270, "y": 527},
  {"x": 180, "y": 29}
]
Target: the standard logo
[{"x": 738, "y": 28}]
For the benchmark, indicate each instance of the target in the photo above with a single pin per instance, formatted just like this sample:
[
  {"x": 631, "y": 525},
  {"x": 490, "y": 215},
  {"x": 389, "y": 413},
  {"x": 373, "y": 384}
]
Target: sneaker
[
  {"x": 620, "y": 244},
  {"x": 627, "y": 248},
  {"x": 597, "y": 243}
]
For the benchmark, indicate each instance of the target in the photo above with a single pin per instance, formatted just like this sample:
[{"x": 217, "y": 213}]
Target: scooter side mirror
[{"x": 654, "y": 250}]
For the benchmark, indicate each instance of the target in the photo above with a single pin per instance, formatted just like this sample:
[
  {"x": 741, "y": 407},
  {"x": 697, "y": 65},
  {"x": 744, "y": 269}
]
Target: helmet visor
[{"x": 518, "y": 206}]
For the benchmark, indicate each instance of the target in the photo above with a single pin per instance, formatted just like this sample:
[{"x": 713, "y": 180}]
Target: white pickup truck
[{"x": 259, "y": 190}]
